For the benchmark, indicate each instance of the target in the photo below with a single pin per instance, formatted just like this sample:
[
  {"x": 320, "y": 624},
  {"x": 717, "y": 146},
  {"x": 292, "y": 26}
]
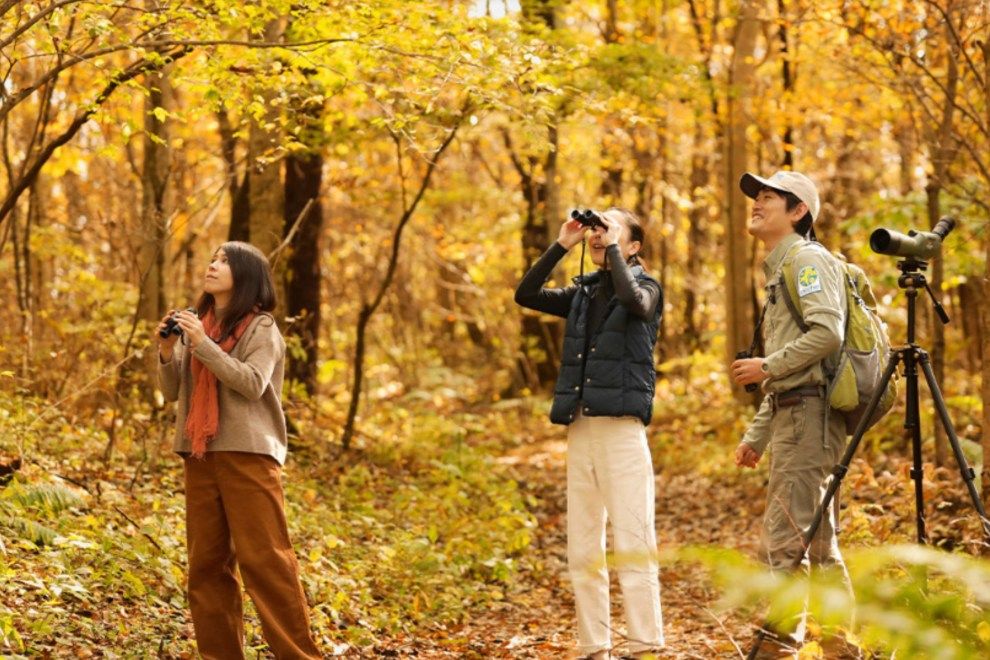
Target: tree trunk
[
  {"x": 738, "y": 280},
  {"x": 539, "y": 352},
  {"x": 303, "y": 276},
  {"x": 266, "y": 195},
  {"x": 970, "y": 301},
  {"x": 943, "y": 151},
  {"x": 238, "y": 187},
  {"x": 985, "y": 380},
  {"x": 368, "y": 309},
  {"x": 787, "y": 75},
  {"x": 155, "y": 167},
  {"x": 696, "y": 235},
  {"x": 933, "y": 191}
]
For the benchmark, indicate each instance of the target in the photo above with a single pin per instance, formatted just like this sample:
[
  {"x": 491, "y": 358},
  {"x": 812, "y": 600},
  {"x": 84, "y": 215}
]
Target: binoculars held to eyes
[{"x": 588, "y": 218}]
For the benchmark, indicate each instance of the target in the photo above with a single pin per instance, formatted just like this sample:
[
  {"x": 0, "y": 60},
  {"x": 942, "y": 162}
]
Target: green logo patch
[{"x": 808, "y": 281}]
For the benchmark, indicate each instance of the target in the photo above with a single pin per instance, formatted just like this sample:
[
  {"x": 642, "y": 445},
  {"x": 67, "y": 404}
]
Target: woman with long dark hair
[
  {"x": 604, "y": 394},
  {"x": 226, "y": 375}
]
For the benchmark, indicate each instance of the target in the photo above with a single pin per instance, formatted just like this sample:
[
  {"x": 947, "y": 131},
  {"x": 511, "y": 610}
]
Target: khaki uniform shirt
[{"x": 794, "y": 358}]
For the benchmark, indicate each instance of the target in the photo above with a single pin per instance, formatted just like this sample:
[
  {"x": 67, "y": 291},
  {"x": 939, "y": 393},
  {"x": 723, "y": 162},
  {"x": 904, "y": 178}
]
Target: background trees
[{"x": 404, "y": 163}]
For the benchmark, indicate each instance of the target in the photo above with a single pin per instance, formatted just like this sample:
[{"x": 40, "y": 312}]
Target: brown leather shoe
[{"x": 774, "y": 648}]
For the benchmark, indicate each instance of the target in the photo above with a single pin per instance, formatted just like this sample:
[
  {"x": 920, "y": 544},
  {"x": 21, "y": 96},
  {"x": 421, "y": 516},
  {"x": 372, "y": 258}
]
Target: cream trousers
[{"x": 610, "y": 477}]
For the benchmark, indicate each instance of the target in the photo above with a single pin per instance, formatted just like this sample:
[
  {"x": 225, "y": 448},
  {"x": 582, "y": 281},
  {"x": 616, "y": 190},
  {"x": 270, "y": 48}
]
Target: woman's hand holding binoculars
[
  {"x": 571, "y": 233},
  {"x": 175, "y": 324}
]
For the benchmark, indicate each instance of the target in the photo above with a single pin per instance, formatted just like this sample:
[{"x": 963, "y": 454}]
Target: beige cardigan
[{"x": 249, "y": 390}]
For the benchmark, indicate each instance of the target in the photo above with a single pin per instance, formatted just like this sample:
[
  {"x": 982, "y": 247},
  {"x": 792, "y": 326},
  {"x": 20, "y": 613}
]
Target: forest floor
[
  {"x": 700, "y": 502},
  {"x": 538, "y": 622},
  {"x": 442, "y": 535}
]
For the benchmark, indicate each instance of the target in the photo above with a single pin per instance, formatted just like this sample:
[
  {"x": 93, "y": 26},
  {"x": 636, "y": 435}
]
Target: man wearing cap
[{"x": 792, "y": 417}]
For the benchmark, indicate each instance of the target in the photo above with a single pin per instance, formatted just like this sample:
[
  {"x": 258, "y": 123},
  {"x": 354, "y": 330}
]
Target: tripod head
[
  {"x": 911, "y": 265},
  {"x": 911, "y": 279}
]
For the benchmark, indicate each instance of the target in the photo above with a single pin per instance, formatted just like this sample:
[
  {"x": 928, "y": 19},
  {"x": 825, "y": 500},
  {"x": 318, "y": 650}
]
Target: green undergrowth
[
  {"x": 417, "y": 527},
  {"x": 907, "y": 601}
]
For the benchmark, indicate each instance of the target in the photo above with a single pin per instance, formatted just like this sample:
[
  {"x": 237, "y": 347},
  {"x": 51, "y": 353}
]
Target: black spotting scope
[{"x": 922, "y": 245}]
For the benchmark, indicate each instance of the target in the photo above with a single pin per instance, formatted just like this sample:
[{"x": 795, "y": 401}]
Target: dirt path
[{"x": 537, "y": 622}]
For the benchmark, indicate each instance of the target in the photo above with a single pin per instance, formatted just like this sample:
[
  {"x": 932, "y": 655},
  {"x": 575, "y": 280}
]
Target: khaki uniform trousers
[
  {"x": 235, "y": 517},
  {"x": 801, "y": 462}
]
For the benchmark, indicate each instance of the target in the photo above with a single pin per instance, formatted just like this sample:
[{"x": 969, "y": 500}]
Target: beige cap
[{"x": 793, "y": 182}]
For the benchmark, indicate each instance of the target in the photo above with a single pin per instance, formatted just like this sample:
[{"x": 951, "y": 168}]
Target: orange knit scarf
[{"x": 203, "y": 419}]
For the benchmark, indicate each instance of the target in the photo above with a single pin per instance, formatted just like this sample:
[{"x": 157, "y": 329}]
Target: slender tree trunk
[
  {"x": 155, "y": 170},
  {"x": 787, "y": 75},
  {"x": 539, "y": 350},
  {"x": 541, "y": 192},
  {"x": 970, "y": 300},
  {"x": 266, "y": 194},
  {"x": 696, "y": 232},
  {"x": 304, "y": 277},
  {"x": 738, "y": 279},
  {"x": 368, "y": 308},
  {"x": 943, "y": 150},
  {"x": 239, "y": 188},
  {"x": 542, "y": 334},
  {"x": 933, "y": 191},
  {"x": 906, "y": 148},
  {"x": 985, "y": 377},
  {"x": 151, "y": 247}
]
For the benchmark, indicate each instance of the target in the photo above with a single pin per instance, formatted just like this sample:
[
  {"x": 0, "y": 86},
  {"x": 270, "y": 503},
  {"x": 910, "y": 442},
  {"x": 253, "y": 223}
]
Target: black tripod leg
[
  {"x": 912, "y": 424},
  {"x": 968, "y": 475},
  {"x": 838, "y": 474}
]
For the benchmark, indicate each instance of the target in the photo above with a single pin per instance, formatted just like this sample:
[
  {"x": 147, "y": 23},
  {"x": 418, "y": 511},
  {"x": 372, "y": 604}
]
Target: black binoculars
[
  {"x": 745, "y": 355},
  {"x": 588, "y": 218},
  {"x": 172, "y": 325}
]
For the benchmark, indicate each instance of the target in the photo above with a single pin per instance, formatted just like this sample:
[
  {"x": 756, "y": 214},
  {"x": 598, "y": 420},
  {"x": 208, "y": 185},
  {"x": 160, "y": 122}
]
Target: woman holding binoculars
[
  {"x": 226, "y": 375},
  {"x": 604, "y": 395}
]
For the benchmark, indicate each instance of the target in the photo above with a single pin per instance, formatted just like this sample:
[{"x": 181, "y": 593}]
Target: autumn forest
[{"x": 402, "y": 164}]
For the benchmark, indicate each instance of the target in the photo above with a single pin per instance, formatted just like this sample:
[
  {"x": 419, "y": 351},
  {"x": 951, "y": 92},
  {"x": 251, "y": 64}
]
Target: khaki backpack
[{"x": 865, "y": 347}]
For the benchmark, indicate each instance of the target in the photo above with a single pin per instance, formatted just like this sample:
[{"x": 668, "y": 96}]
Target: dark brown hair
[
  {"x": 254, "y": 286},
  {"x": 791, "y": 201}
]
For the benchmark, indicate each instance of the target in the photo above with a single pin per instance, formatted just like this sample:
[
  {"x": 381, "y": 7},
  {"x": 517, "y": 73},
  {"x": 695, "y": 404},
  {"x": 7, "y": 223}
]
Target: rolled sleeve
[{"x": 757, "y": 435}]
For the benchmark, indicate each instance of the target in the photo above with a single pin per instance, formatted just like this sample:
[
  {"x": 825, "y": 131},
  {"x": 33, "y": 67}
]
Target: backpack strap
[
  {"x": 792, "y": 308},
  {"x": 788, "y": 284}
]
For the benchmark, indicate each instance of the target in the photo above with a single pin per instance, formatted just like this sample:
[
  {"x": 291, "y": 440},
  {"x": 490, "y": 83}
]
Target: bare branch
[
  {"x": 22, "y": 94},
  {"x": 47, "y": 11},
  {"x": 273, "y": 256},
  {"x": 119, "y": 79}
]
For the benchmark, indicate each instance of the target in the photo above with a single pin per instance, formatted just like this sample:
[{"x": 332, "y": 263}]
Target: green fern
[{"x": 19, "y": 503}]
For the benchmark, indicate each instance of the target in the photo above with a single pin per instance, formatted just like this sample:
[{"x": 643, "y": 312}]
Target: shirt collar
[{"x": 772, "y": 263}]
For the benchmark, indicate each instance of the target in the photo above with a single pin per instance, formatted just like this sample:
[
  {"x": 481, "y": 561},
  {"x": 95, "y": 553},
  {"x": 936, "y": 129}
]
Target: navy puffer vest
[{"x": 618, "y": 377}]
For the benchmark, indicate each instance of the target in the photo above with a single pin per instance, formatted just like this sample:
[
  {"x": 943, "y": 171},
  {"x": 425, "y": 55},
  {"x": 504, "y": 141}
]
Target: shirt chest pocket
[{"x": 774, "y": 303}]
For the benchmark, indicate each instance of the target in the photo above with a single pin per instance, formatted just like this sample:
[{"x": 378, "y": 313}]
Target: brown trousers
[{"x": 235, "y": 517}]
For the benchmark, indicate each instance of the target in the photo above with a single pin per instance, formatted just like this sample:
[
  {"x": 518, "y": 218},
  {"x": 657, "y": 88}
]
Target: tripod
[{"x": 911, "y": 280}]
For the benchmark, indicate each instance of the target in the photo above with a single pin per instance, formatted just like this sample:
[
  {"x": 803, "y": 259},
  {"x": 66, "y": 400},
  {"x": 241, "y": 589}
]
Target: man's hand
[
  {"x": 746, "y": 456},
  {"x": 749, "y": 371},
  {"x": 571, "y": 233}
]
